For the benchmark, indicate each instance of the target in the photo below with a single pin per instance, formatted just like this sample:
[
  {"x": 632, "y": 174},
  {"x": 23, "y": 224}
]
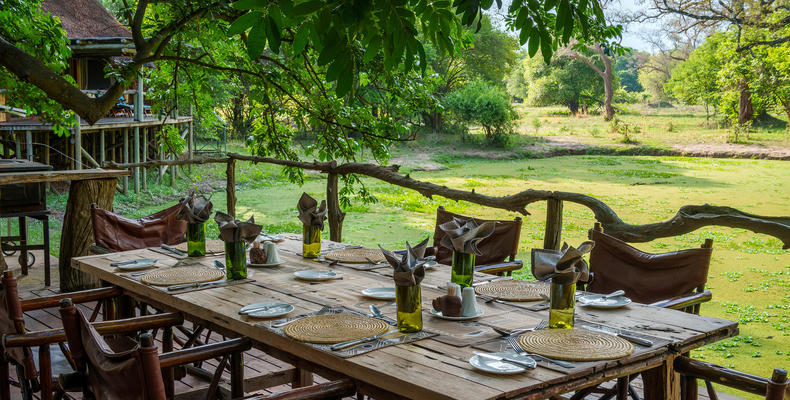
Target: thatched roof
[{"x": 85, "y": 19}]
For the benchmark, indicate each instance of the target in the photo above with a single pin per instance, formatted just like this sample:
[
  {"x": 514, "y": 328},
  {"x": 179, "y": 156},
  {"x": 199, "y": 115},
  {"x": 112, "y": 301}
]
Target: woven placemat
[
  {"x": 575, "y": 345},
  {"x": 181, "y": 275},
  {"x": 513, "y": 290},
  {"x": 334, "y": 328},
  {"x": 356, "y": 256},
  {"x": 212, "y": 246}
]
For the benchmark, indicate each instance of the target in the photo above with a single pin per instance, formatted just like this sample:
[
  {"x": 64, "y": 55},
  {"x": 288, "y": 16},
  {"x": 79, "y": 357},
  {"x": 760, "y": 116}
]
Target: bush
[{"x": 486, "y": 105}]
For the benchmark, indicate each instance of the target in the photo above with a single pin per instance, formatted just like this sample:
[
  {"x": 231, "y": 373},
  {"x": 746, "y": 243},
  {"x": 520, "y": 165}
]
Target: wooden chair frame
[{"x": 31, "y": 380}]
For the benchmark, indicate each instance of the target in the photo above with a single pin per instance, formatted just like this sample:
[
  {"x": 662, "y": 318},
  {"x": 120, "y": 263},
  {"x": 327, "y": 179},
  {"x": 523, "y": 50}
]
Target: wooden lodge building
[{"x": 127, "y": 134}]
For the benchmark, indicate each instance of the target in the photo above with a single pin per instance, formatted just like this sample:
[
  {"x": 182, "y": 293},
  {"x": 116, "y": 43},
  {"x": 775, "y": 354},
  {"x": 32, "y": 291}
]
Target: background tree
[
  {"x": 696, "y": 80},
  {"x": 487, "y": 105},
  {"x": 627, "y": 68},
  {"x": 566, "y": 81}
]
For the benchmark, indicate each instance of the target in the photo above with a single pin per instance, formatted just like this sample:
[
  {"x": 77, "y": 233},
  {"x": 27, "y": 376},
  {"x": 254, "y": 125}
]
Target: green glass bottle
[
  {"x": 561, "y": 305},
  {"x": 235, "y": 260},
  {"x": 409, "y": 304},
  {"x": 463, "y": 271},
  {"x": 196, "y": 239},
  {"x": 311, "y": 241}
]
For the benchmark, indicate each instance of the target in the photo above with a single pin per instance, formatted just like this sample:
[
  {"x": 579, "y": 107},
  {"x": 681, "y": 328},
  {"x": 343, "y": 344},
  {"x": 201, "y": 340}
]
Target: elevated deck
[{"x": 35, "y": 124}]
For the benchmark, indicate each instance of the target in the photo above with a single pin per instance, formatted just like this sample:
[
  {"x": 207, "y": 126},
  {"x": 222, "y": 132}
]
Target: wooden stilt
[
  {"x": 18, "y": 146},
  {"x": 144, "y": 170},
  {"x": 136, "y": 158},
  {"x": 125, "y": 158},
  {"x": 101, "y": 147},
  {"x": 29, "y": 145},
  {"x": 190, "y": 139},
  {"x": 77, "y": 144}
]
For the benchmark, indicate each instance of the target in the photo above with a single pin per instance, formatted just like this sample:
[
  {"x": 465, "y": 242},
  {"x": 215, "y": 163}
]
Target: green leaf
[
  {"x": 273, "y": 33},
  {"x": 373, "y": 48},
  {"x": 534, "y": 42},
  {"x": 344, "y": 82},
  {"x": 549, "y": 4},
  {"x": 250, "y": 4},
  {"x": 307, "y": 7},
  {"x": 256, "y": 40},
  {"x": 330, "y": 52},
  {"x": 300, "y": 38},
  {"x": 334, "y": 70},
  {"x": 545, "y": 45},
  {"x": 244, "y": 22}
]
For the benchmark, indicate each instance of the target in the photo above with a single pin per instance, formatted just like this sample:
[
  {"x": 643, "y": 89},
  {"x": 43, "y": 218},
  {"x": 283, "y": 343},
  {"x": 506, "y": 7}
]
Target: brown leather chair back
[
  {"x": 111, "y": 374},
  {"x": 502, "y": 244},
  {"x": 12, "y": 321},
  {"x": 117, "y": 233},
  {"x": 646, "y": 277}
]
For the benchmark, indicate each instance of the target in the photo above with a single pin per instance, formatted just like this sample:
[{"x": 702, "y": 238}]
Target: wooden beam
[
  {"x": 190, "y": 139},
  {"x": 230, "y": 187},
  {"x": 336, "y": 215},
  {"x": 60, "y": 176},
  {"x": 90, "y": 159},
  {"x": 552, "y": 238}
]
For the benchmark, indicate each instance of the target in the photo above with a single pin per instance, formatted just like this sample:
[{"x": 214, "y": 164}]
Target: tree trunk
[
  {"x": 77, "y": 233},
  {"x": 607, "y": 86},
  {"x": 787, "y": 111},
  {"x": 745, "y": 110},
  {"x": 573, "y": 105}
]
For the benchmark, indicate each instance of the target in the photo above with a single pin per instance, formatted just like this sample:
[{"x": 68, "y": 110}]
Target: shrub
[{"x": 486, "y": 105}]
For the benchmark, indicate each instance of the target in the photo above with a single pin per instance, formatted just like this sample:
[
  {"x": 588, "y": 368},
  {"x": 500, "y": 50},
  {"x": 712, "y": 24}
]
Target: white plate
[
  {"x": 315, "y": 275},
  {"x": 500, "y": 367},
  {"x": 272, "y": 237},
  {"x": 281, "y": 262},
  {"x": 267, "y": 310},
  {"x": 438, "y": 314},
  {"x": 597, "y": 301},
  {"x": 140, "y": 263},
  {"x": 381, "y": 293}
]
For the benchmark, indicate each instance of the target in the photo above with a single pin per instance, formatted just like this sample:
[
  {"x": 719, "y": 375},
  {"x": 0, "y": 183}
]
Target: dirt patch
[{"x": 417, "y": 161}]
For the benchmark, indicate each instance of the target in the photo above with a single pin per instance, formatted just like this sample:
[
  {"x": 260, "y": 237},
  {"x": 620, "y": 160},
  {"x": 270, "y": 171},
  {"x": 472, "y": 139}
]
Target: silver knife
[
  {"x": 173, "y": 250},
  {"x": 350, "y": 343},
  {"x": 501, "y": 278},
  {"x": 507, "y": 359},
  {"x": 190, "y": 285},
  {"x": 630, "y": 338}
]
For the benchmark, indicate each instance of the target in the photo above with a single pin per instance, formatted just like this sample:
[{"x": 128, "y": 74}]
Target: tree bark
[
  {"x": 745, "y": 109},
  {"x": 77, "y": 233},
  {"x": 605, "y": 74}
]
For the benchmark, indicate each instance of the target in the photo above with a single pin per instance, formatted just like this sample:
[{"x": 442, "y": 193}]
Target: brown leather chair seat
[{"x": 118, "y": 233}]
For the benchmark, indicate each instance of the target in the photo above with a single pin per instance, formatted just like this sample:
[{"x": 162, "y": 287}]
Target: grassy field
[
  {"x": 749, "y": 276},
  {"x": 658, "y": 127}
]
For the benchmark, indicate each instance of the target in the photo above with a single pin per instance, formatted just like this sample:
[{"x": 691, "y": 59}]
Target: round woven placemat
[
  {"x": 181, "y": 275},
  {"x": 575, "y": 345},
  {"x": 513, "y": 290},
  {"x": 334, "y": 328},
  {"x": 356, "y": 256}
]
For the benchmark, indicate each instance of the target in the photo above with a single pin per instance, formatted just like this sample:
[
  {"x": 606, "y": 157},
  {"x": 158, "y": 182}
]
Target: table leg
[
  {"x": 302, "y": 377},
  {"x": 662, "y": 383},
  {"x": 23, "y": 244}
]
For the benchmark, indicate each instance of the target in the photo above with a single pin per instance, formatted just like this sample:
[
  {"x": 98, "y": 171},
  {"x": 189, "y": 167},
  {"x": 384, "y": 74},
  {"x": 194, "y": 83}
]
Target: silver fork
[{"x": 513, "y": 341}]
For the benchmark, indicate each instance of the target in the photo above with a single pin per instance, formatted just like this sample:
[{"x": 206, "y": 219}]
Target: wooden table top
[{"x": 435, "y": 367}]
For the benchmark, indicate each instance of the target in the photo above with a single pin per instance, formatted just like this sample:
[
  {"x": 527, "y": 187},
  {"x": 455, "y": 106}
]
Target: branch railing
[{"x": 688, "y": 218}]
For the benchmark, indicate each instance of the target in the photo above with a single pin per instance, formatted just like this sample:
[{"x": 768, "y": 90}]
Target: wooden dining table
[{"x": 435, "y": 367}]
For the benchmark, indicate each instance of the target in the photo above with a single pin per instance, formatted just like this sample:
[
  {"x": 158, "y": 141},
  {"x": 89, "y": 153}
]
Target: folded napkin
[
  {"x": 310, "y": 213},
  {"x": 409, "y": 270},
  {"x": 463, "y": 235},
  {"x": 233, "y": 230},
  {"x": 562, "y": 266},
  {"x": 195, "y": 209}
]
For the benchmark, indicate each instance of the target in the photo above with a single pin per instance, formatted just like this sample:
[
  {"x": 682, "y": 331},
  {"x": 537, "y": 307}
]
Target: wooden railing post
[
  {"x": 336, "y": 215},
  {"x": 552, "y": 238},
  {"x": 230, "y": 187}
]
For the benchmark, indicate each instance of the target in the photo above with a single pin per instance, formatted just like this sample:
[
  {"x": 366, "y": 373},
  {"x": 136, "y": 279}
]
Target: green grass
[
  {"x": 663, "y": 127},
  {"x": 749, "y": 275}
]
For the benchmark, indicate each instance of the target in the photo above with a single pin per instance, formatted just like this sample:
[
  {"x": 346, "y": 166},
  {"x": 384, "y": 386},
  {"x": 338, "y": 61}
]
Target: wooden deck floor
[{"x": 257, "y": 365}]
